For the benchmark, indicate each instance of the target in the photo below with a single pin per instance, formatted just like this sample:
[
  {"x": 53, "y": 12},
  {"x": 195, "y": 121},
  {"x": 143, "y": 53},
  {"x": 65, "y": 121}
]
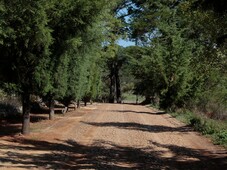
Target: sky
[{"x": 125, "y": 43}]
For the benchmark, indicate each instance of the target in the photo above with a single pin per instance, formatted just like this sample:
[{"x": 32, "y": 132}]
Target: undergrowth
[{"x": 216, "y": 129}]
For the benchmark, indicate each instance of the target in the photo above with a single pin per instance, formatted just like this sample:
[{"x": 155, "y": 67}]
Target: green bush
[
  {"x": 221, "y": 137},
  {"x": 196, "y": 123}
]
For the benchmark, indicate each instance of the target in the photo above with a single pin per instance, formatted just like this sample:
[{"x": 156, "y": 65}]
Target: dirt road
[{"x": 112, "y": 136}]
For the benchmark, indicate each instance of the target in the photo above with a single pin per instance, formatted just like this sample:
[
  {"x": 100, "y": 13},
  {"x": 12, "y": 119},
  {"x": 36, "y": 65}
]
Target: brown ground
[{"x": 109, "y": 136}]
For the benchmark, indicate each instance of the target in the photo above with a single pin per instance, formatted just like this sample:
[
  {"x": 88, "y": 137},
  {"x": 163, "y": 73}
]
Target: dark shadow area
[
  {"x": 134, "y": 103},
  {"x": 12, "y": 119},
  {"x": 34, "y": 118},
  {"x": 104, "y": 155},
  {"x": 130, "y": 103},
  {"x": 7, "y": 129},
  {"x": 11, "y": 126},
  {"x": 124, "y": 103},
  {"x": 40, "y": 111},
  {"x": 37, "y": 118},
  {"x": 139, "y": 112},
  {"x": 39, "y": 108},
  {"x": 202, "y": 159},
  {"x": 141, "y": 127}
]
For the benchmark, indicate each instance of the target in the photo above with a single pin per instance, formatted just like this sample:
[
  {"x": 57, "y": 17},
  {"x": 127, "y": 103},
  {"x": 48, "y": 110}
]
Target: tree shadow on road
[
  {"x": 141, "y": 127},
  {"x": 140, "y": 112},
  {"x": 201, "y": 159},
  {"x": 70, "y": 154},
  {"x": 12, "y": 126},
  {"x": 7, "y": 129}
]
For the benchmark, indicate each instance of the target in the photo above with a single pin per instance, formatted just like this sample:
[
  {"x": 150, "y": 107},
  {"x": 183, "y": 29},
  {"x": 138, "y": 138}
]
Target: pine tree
[
  {"x": 25, "y": 45},
  {"x": 114, "y": 30},
  {"x": 186, "y": 41},
  {"x": 70, "y": 21}
]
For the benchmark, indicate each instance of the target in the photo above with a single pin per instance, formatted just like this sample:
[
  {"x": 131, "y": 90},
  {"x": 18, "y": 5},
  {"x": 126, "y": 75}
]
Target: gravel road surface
[{"x": 112, "y": 136}]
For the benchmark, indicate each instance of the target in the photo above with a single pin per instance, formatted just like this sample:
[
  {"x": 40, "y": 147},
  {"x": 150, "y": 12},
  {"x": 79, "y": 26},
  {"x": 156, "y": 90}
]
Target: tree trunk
[
  {"x": 85, "y": 102},
  {"x": 51, "y": 108},
  {"x": 78, "y": 103},
  {"x": 137, "y": 99},
  {"x": 26, "y": 113},
  {"x": 112, "y": 85},
  {"x": 118, "y": 86}
]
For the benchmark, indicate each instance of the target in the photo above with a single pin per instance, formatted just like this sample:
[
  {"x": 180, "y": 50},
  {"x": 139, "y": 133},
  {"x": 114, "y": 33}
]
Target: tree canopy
[
  {"x": 67, "y": 50},
  {"x": 183, "y": 44},
  {"x": 48, "y": 48}
]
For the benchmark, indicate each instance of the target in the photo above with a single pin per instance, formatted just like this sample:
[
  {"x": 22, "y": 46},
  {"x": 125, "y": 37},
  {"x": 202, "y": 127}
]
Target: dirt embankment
[{"x": 111, "y": 136}]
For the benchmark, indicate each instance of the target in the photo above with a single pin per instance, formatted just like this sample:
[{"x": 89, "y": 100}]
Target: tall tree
[
  {"x": 186, "y": 40},
  {"x": 25, "y": 46},
  {"x": 84, "y": 59},
  {"x": 115, "y": 29},
  {"x": 70, "y": 21}
]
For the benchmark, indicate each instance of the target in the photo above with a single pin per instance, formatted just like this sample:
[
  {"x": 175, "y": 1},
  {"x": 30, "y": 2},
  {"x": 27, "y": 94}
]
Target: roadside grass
[{"x": 216, "y": 129}]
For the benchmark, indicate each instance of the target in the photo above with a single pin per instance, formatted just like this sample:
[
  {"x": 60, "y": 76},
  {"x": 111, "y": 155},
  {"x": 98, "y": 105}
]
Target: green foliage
[
  {"x": 113, "y": 55},
  {"x": 52, "y": 48},
  {"x": 26, "y": 41},
  {"x": 84, "y": 71},
  {"x": 2, "y": 29},
  {"x": 78, "y": 34},
  {"x": 139, "y": 66},
  {"x": 221, "y": 137},
  {"x": 2, "y": 94},
  {"x": 184, "y": 56},
  {"x": 10, "y": 88},
  {"x": 67, "y": 50}
]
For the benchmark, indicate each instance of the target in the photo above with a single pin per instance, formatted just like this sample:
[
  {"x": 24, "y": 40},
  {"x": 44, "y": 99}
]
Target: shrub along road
[{"x": 111, "y": 136}]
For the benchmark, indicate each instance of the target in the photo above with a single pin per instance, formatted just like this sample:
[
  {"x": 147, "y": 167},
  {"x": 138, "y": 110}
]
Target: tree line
[
  {"x": 67, "y": 51},
  {"x": 53, "y": 49},
  {"x": 180, "y": 58}
]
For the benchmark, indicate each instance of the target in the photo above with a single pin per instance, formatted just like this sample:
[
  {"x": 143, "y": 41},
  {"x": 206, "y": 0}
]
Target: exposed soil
[{"x": 109, "y": 136}]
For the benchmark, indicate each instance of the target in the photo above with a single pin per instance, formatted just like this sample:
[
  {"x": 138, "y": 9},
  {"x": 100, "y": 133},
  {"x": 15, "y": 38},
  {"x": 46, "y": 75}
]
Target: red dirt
[{"x": 110, "y": 136}]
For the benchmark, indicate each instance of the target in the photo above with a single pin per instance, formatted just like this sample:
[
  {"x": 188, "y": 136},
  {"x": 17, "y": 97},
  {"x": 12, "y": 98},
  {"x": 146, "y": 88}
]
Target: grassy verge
[{"x": 216, "y": 129}]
